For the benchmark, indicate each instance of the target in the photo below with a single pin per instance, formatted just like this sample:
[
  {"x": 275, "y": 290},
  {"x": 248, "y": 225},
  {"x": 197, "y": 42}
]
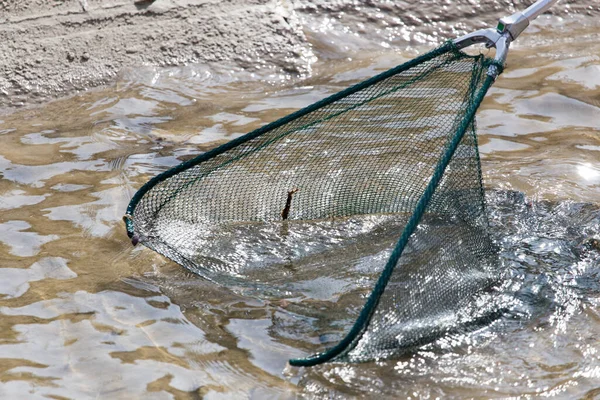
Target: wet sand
[{"x": 53, "y": 49}]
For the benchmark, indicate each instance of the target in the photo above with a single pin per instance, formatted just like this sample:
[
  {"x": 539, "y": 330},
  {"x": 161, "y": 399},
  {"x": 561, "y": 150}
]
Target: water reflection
[
  {"x": 15, "y": 281},
  {"x": 102, "y": 344},
  {"x": 20, "y": 242}
]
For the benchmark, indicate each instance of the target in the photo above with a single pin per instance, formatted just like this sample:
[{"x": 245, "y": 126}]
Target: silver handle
[
  {"x": 516, "y": 23},
  {"x": 537, "y": 8},
  {"x": 508, "y": 29}
]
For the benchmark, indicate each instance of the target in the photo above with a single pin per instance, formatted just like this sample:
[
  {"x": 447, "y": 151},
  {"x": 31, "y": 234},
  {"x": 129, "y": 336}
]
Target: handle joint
[{"x": 513, "y": 25}]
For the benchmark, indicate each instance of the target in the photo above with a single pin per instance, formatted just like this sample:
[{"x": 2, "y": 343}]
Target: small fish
[{"x": 286, "y": 210}]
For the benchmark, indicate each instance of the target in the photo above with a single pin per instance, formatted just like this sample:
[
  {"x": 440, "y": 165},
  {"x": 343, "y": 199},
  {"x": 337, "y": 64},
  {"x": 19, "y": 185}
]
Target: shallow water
[{"x": 85, "y": 314}]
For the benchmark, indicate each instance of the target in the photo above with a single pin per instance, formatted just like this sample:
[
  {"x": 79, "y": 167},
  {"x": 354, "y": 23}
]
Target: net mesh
[{"x": 391, "y": 162}]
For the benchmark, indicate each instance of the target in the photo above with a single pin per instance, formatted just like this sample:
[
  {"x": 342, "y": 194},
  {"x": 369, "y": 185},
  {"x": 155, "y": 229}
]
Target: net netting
[{"x": 386, "y": 170}]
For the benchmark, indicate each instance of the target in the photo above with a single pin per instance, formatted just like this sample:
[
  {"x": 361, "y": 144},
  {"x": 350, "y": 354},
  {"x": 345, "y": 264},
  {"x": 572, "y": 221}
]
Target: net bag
[{"x": 398, "y": 150}]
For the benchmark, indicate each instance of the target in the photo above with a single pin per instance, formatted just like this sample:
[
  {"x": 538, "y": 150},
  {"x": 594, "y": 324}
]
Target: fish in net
[{"x": 391, "y": 162}]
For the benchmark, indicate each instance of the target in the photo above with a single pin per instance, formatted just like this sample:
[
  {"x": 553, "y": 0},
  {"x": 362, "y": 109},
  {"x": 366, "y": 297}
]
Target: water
[{"x": 85, "y": 314}]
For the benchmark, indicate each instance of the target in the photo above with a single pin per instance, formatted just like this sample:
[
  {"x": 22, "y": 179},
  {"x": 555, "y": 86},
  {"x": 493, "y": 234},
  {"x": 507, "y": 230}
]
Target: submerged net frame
[{"x": 400, "y": 143}]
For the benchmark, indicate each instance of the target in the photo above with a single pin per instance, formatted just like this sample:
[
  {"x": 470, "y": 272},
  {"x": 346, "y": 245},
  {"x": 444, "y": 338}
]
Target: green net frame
[{"x": 402, "y": 143}]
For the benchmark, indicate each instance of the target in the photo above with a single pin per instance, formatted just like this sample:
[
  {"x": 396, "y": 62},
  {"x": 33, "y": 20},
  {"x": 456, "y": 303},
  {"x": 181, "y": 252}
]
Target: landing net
[{"x": 400, "y": 150}]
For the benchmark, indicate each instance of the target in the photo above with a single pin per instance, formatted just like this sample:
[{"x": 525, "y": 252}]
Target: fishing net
[{"x": 394, "y": 158}]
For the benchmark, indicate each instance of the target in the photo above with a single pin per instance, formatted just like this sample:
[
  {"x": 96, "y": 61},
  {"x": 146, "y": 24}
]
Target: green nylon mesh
[{"x": 341, "y": 181}]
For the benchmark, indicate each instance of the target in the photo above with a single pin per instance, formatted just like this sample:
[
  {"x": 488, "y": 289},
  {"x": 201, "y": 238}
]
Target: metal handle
[
  {"x": 537, "y": 8},
  {"x": 516, "y": 23},
  {"x": 508, "y": 29}
]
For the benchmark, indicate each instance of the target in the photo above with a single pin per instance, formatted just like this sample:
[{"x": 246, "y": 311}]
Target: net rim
[
  {"x": 448, "y": 47},
  {"x": 362, "y": 322}
]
